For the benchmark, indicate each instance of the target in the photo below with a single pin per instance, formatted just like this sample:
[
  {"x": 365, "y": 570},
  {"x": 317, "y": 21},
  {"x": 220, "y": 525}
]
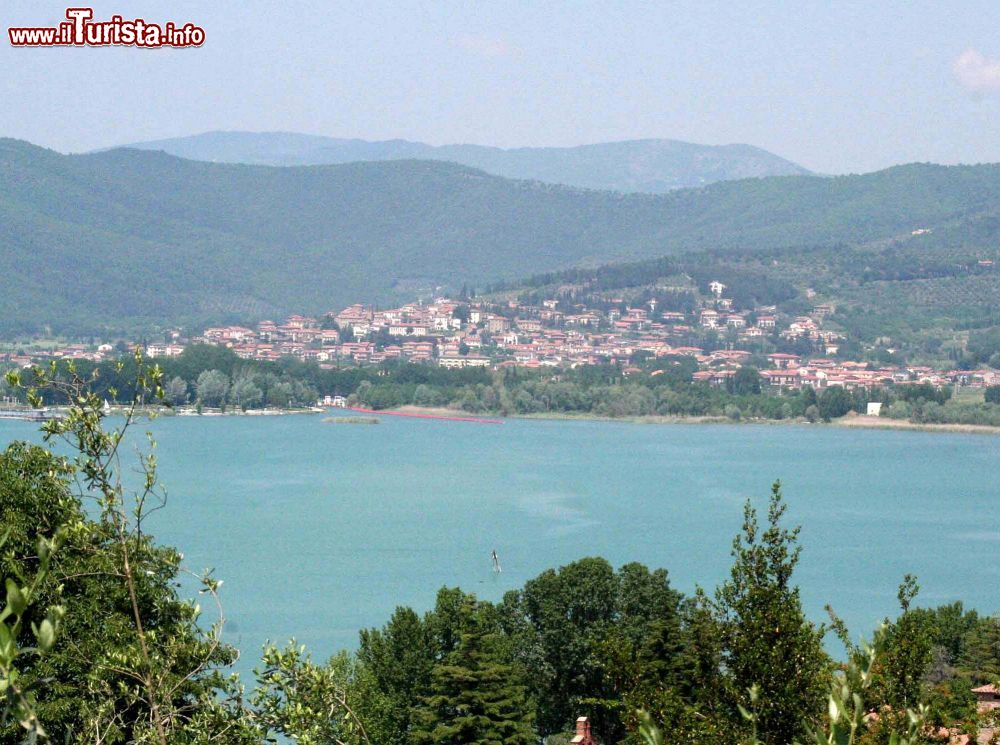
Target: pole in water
[{"x": 496, "y": 562}]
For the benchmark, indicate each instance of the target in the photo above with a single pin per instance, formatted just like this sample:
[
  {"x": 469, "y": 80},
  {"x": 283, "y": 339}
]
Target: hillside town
[{"x": 463, "y": 333}]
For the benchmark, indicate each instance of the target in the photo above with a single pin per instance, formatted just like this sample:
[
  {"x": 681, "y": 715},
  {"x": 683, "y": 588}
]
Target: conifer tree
[{"x": 476, "y": 697}]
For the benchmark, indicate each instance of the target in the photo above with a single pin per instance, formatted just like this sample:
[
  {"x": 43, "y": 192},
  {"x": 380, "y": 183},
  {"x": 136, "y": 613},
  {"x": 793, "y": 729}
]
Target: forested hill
[
  {"x": 653, "y": 165},
  {"x": 127, "y": 237}
]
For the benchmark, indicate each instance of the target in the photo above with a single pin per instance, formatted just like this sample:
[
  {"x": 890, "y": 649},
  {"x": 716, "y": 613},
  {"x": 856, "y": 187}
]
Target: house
[
  {"x": 404, "y": 328},
  {"x": 987, "y": 697},
  {"x": 163, "y": 350},
  {"x": 781, "y": 360},
  {"x": 458, "y": 361},
  {"x": 529, "y": 324},
  {"x": 716, "y": 288},
  {"x": 801, "y": 326},
  {"x": 301, "y": 322},
  {"x": 781, "y": 378},
  {"x": 267, "y": 330},
  {"x": 688, "y": 351},
  {"x": 583, "y": 736},
  {"x": 584, "y": 319},
  {"x": 497, "y": 324},
  {"x": 355, "y": 315}
]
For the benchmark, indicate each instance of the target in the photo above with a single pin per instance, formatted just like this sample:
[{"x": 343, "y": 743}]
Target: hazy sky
[{"x": 835, "y": 86}]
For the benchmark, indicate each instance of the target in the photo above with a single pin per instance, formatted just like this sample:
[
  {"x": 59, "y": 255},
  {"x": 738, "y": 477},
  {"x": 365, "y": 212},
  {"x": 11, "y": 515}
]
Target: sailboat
[{"x": 496, "y": 562}]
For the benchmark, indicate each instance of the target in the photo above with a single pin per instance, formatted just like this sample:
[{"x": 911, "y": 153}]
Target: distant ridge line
[{"x": 647, "y": 165}]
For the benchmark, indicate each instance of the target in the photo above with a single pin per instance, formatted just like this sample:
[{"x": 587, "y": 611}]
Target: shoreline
[
  {"x": 876, "y": 422},
  {"x": 859, "y": 421},
  {"x": 189, "y": 411}
]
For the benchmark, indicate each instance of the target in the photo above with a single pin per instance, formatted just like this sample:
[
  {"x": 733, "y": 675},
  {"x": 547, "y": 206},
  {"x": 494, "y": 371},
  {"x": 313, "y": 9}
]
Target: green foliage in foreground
[
  {"x": 131, "y": 661},
  {"x": 18, "y": 693},
  {"x": 847, "y": 714},
  {"x": 768, "y": 643},
  {"x": 474, "y": 695}
]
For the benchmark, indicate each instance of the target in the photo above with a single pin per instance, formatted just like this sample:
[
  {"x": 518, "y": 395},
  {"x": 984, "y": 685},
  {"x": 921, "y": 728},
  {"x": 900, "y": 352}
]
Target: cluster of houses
[
  {"x": 28, "y": 358},
  {"x": 792, "y": 372},
  {"x": 460, "y": 333},
  {"x": 452, "y": 333}
]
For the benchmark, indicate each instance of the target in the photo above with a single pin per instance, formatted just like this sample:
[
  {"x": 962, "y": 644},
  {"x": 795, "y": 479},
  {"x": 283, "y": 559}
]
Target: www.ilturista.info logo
[{"x": 81, "y": 30}]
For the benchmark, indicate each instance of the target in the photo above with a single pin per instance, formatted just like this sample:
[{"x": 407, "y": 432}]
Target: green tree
[
  {"x": 281, "y": 394},
  {"x": 980, "y": 654},
  {"x": 476, "y": 697},
  {"x": 834, "y": 402},
  {"x": 768, "y": 643},
  {"x": 399, "y": 657},
  {"x": 985, "y": 343},
  {"x": 560, "y": 618},
  {"x": 18, "y": 702},
  {"x": 176, "y": 391},
  {"x": 907, "y": 654},
  {"x": 245, "y": 393},
  {"x": 212, "y": 387},
  {"x": 589, "y": 635},
  {"x": 319, "y": 704},
  {"x": 847, "y": 707},
  {"x": 132, "y": 662},
  {"x": 745, "y": 382}
]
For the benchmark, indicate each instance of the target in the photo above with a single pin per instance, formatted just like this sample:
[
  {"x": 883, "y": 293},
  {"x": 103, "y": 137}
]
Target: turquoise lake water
[{"x": 319, "y": 530}]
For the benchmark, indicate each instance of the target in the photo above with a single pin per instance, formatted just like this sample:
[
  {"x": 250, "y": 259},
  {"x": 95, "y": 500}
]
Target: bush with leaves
[
  {"x": 18, "y": 701},
  {"x": 336, "y": 703},
  {"x": 132, "y": 662}
]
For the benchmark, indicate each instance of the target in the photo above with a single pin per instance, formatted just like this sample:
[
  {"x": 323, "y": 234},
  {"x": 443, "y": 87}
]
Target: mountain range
[
  {"x": 653, "y": 166},
  {"x": 129, "y": 239}
]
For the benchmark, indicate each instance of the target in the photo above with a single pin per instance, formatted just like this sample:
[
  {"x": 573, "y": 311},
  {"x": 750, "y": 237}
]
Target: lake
[{"x": 319, "y": 530}]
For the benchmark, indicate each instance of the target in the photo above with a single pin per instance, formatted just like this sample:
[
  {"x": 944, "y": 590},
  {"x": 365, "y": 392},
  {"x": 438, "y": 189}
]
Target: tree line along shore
[{"x": 214, "y": 379}]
